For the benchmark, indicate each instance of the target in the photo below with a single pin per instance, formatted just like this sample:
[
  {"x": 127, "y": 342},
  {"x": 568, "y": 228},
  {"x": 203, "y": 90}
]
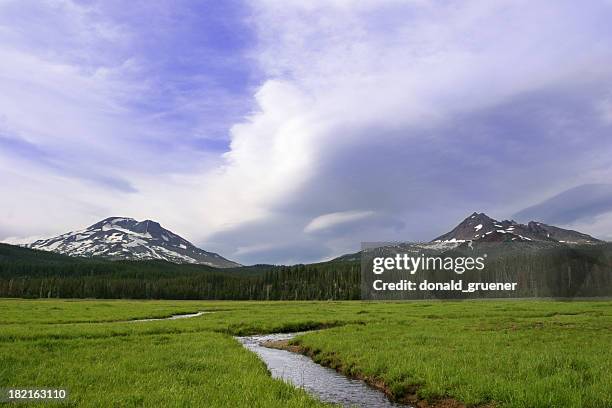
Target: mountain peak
[
  {"x": 481, "y": 227},
  {"x": 114, "y": 221},
  {"x": 127, "y": 238},
  {"x": 479, "y": 217},
  {"x": 469, "y": 228}
]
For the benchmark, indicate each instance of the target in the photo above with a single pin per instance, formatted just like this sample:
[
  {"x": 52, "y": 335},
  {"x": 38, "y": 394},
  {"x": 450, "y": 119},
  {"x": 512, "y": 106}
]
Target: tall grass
[{"x": 506, "y": 353}]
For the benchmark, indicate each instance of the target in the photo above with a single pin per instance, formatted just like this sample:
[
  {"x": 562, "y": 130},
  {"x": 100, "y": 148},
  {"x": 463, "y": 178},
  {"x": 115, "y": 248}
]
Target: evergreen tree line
[
  {"x": 34, "y": 274},
  {"x": 540, "y": 271}
]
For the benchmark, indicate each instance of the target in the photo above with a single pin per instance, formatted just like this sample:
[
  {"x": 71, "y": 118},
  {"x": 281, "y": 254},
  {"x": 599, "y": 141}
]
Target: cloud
[
  {"x": 421, "y": 113},
  {"x": 292, "y": 131},
  {"x": 24, "y": 150},
  {"x": 104, "y": 111},
  {"x": 326, "y": 221},
  {"x": 599, "y": 226},
  {"x": 22, "y": 240},
  {"x": 576, "y": 204}
]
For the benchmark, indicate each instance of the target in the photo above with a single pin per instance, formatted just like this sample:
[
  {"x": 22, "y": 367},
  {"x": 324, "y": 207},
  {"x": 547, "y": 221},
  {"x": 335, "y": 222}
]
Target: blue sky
[{"x": 286, "y": 131}]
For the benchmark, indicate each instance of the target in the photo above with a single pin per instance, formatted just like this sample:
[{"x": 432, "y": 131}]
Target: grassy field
[{"x": 500, "y": 353}]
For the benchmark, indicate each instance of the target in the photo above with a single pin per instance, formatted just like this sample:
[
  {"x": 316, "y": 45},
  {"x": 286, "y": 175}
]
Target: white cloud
[
  {"x": 75, "y": 143},
  {"x": 379, "y": 74},
  {"x": 343, "y": 69},
  {"x": 250, "y": 249},
  {"x": 270, "y": 157},
  {"x": 330, "y": 220}
]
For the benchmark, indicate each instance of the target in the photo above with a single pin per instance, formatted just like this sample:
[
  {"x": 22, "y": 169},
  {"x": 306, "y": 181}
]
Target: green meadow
[{"x": 478, "y": 353}]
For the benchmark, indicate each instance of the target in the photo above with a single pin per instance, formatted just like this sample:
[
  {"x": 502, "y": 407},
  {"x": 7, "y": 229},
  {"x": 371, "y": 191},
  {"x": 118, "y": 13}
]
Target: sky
[{"x": 281, "y": 131}]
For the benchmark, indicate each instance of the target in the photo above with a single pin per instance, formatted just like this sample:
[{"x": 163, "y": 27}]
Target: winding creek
[
  {"x": 324, "y": 383},
  {"x": 173, "y": 317}
]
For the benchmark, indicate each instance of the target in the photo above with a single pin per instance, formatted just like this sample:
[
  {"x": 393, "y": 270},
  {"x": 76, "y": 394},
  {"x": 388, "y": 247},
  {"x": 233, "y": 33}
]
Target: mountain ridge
[
  {"x": 481, "y": 227},
  {"x": 124, "y": 238}
]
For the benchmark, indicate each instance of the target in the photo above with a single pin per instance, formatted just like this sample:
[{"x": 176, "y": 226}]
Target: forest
[
  {"x": 557, "y": 271},
  {"x": 28, "y": 273}
]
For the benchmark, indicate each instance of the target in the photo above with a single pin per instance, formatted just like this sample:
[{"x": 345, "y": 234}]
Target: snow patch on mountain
[{"x": 128, "y": 239}]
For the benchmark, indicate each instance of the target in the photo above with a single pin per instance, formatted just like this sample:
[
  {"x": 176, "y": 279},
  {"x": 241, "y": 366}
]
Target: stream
[
  {"x": 173, "y": 317},
  {"x": 324, "y": 383}
]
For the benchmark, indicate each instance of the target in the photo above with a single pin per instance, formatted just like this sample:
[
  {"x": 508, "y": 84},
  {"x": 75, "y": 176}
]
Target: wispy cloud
[
  {"x": 325, "y": 221},
  {"x": 116, "y": 100},
  {"x": 580, "y": 203}
]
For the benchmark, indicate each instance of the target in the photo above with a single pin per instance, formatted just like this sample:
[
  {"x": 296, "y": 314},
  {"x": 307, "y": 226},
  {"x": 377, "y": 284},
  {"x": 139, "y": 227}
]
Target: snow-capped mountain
[
  {"x": 480, "y": 227},
  {"x": 125, "y": 238}
]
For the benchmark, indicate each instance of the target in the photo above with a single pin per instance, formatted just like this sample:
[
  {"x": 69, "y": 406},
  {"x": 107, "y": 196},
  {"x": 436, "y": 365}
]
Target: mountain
[
  {"x": 480, "y": 227},
  {"x": 127, "y": 239}
]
